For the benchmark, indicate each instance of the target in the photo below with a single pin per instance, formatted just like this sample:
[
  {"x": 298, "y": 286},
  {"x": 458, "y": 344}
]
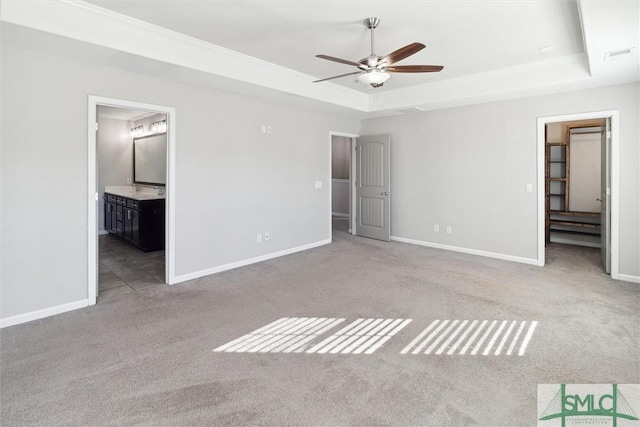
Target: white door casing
[
  {"x": 605, "y": 197},
  {"x": 92, "y": 202},
  {"x": 373, "y": 189}
]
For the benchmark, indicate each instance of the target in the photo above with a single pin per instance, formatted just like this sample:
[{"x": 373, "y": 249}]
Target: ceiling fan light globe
[{"x": 374, "y": 77}]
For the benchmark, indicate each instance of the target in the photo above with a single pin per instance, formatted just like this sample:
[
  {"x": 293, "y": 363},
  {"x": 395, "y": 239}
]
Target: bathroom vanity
[{"x": 137, "y": 217}]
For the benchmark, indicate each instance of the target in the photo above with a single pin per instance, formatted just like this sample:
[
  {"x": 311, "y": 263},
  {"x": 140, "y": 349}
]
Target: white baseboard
[
  {"x": 39, "y": 314},
  {"x": 237, "y": 264},
  {"x": 629, "y": 278},
  {"x": 530, "y": 261}
]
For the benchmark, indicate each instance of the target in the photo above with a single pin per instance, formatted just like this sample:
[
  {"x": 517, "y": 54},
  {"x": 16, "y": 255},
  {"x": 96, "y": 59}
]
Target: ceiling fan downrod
[{"x": 371, "y": 24}]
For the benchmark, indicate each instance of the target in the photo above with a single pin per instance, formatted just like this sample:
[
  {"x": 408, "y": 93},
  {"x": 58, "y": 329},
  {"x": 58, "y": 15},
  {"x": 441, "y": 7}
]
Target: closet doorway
[
  {"x": 579, "y": 186},
  {"x": 573, "y": 172}
]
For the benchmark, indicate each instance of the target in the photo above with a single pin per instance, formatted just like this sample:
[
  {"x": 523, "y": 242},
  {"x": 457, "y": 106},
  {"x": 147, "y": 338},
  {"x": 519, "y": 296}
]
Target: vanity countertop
[{"x": 130, "y": 192}]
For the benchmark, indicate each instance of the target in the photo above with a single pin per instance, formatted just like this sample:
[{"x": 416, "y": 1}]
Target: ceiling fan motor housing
[{"x": 372, "y": 22}]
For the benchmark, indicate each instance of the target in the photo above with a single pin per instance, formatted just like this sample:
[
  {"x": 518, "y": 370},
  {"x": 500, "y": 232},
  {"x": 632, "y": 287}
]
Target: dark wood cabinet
[
  {"x": 132, "y": 225},
  {"x": 108, "y": 209},
  {"x": 138, "y": 222}
]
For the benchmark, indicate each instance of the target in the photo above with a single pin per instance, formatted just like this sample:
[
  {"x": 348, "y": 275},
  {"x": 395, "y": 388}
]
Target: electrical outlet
[
  {"x": 436, "y": 228},
  {"x": 259, "y": 238},
  {"x": 268, "y": 128},
  {"x": 128, "y": 180},
  {"x": 449, "y": 230},
  {"x": 266, "y": 236}
]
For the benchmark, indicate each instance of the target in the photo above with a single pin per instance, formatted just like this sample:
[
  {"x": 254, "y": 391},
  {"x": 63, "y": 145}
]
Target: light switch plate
[
  {"x": 318, "y": 184},
  {"x": 528, "y": 188}
]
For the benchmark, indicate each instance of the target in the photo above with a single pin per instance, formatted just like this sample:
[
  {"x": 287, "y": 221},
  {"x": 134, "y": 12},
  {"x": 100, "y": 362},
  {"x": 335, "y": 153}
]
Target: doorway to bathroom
[
  {"x": 132, "y": 165},
  {"x": 130, "y": 197}
]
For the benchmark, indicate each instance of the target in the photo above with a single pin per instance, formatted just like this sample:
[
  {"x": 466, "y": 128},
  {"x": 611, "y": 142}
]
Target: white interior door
[
  {"x": 373, "y": 189},
  {"x": 605, "y": 197}
]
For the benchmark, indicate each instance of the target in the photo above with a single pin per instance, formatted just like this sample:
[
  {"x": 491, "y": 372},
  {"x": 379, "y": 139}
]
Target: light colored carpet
[{"x": 146, "y": 357}]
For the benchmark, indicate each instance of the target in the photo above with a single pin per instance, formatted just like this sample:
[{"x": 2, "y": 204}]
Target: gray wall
[
  {"x": 467, "y": 168},
  {"x": 584, "y": 172},
  {"x": 232, "y": 181},
  {"x": 115, "y": 157},
  {"x": 340, "y": 157},
  {"x": 464, "y": 167}
]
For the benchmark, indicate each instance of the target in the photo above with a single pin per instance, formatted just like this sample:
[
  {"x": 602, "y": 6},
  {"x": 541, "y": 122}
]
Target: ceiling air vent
[
  {"x": 617, "y": 54},
  {"x": 410, "y": 110}
]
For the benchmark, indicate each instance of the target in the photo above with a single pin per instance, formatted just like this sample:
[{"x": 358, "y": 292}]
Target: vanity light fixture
[
  {"x": 159, "y": 126},
  {"x": 137, "y": 131}
]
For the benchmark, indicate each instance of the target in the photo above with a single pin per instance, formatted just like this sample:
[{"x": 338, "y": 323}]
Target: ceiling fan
[{"x": 374, "y": 70}]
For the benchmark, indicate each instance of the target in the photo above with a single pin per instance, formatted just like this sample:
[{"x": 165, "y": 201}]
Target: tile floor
[{"x": 124, "y": 268}]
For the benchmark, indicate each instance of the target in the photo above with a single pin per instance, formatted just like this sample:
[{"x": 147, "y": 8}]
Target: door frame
[
  {"x": 614, "y": 116},
  {"x": 92, "y": 201},
  {"x": 352, "y": 168}
]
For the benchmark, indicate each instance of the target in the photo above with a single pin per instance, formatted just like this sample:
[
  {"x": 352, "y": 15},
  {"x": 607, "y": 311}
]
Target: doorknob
[
  {"x": 599, "y": 200},
  {"x": 386, "y": 193}
]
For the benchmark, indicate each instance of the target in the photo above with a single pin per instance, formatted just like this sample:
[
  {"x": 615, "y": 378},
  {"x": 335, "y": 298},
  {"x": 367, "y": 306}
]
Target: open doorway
[
  {"x": 574, "y": 172},
  {"x": 131, "y": 182},
  {"x": 577, "y": 161},
  {"x": 341, "y": 183},
  {"x": 361, "y": 185},
  {"x": 132, "y": 171}
]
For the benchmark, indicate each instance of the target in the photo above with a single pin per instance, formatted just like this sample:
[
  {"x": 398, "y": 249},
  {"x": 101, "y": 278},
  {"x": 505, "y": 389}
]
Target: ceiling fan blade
[
  {"x": 337, "y": 77},
  {"x": 334, "y": 59},
  {"x": 415, "y": 68},
  {"x": 402, "y": 53}
]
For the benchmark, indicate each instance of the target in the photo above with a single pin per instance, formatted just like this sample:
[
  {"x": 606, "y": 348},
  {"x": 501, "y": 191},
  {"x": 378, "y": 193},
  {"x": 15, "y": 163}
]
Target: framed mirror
[{"x": 150, "y": 159}]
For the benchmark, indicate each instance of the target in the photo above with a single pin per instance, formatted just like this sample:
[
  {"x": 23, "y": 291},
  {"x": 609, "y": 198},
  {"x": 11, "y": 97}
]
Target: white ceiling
[
  {"x": 465, "y": 36},
  {"x": 490, "y": 49}
]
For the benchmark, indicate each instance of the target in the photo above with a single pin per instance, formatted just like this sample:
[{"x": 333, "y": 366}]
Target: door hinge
[
  {"x": 97, "y": 197},
  {"x": 97, "y": 126},
  {"x": 608, "y": 134}
]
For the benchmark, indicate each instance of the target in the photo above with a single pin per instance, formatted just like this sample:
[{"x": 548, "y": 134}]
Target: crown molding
[
  {"x": 98, "y": 26},
  {"x": 530, "y": 79},
  {"x": 87, "y": 23}
]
